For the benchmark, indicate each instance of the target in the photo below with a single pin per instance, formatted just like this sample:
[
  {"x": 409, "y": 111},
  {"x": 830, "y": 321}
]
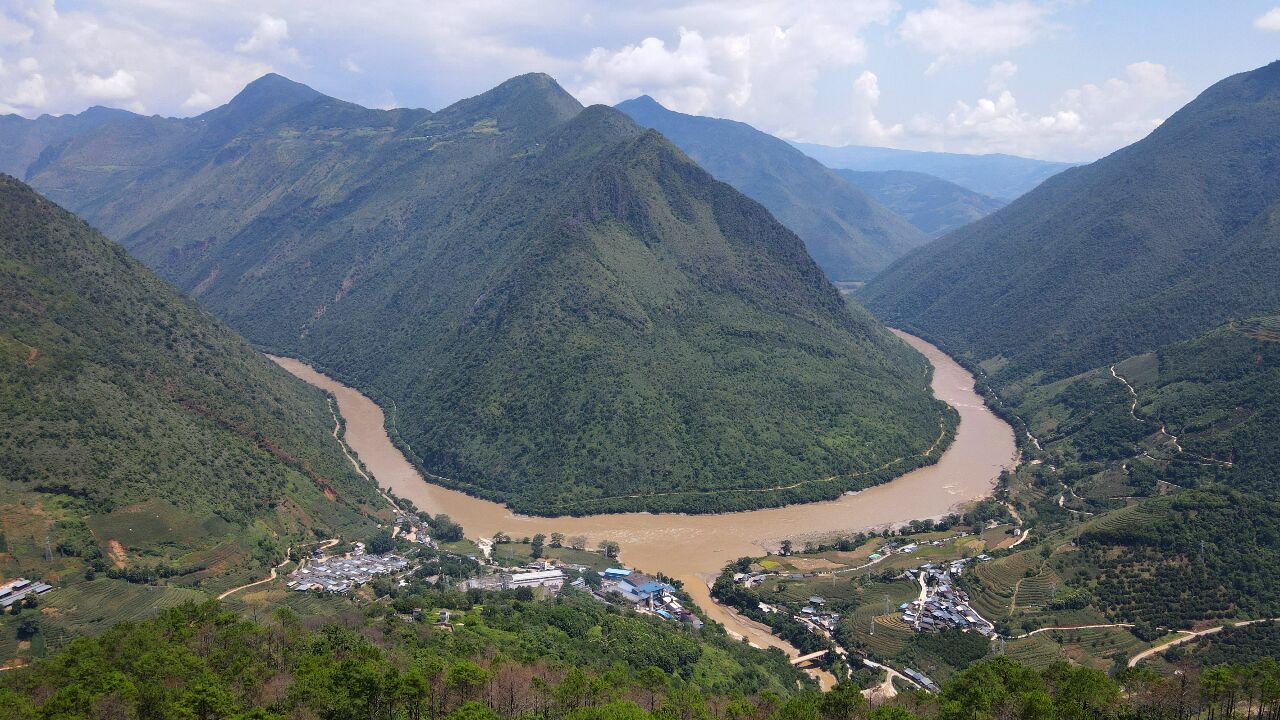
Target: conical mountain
[
  {"x": 849, "y": 234},
  {"x": 142, "y": 429},
  {"x": 559, "y": 308},
  {"x": 1155, "y": 243}
]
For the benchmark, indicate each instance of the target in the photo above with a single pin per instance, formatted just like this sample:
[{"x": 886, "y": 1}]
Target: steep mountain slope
[
  {"x": 1199, "y": 419},
  {"x": 933, "y": 205},
  {"x": 22, "y": 140},
  {"x": 560, "y": 310},
  {"x": 1155, "y": 243},
  {"x": 1003, "y": 177},
  {"x": 848, "y": 233},
  {"x": 140, "y": 434}
]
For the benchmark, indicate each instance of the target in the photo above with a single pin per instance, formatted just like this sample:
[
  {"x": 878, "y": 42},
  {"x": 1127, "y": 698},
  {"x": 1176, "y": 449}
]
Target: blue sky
[{"x": 1058, "y": 79}]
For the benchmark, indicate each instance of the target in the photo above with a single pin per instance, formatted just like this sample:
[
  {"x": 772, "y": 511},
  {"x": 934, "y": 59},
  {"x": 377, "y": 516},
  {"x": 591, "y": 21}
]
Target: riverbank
[{"x": 693, "y": 548}]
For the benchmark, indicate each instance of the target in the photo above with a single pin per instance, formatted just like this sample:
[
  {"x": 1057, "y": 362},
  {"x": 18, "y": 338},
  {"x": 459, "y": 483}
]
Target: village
[
  {"x": 344, "y": 572},
  {"x": 941, "y": 604}
]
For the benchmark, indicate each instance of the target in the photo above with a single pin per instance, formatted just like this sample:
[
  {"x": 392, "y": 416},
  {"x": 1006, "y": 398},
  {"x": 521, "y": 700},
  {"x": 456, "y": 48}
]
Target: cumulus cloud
[
  {"x": 763, "y": 64},
  {"x": 958, "y": 29},
  {"x": 1270, "y": 20},
  {"x": 799, "y": 70},
  {"x": 866, "y": 126},
  {"x": 120, "y": 85},
  {"x": 1084, "y": 121},
  {"x": 13, "y": 32},
  {"x": 63, "y": 60},
  {"x": 269, "y": 38}
]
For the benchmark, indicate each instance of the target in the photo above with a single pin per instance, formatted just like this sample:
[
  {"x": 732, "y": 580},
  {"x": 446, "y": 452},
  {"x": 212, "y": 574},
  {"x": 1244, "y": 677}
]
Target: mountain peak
[
  {"x": 531, "y": 100},
  {"x": 643, "y": 101},
  {"x": 273, "y": 89}
]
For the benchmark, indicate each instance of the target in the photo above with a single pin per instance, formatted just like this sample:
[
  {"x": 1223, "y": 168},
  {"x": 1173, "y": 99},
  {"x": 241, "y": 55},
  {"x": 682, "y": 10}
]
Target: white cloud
[
  {"x": 762, "y": 63},
  {"x": 198, "y": 100},
  {"x": 13, "y": 32},
  {"x": 1270, "y": 20},
  {"x": 30, "y": 92},
  {"x": 866, "y": 126},
  {"x": 1083, "y": 122},
  {"x": 351, "y": 66},
  {"x": 120, "y": 85},
  {"x": 998, "y": 76},
  {"x": 137, "y": 58},
  {"x": 958, "y": 29},
  {"x": 268, "y": 38}
]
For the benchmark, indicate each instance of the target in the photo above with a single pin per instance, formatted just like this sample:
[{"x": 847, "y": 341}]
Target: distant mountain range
[
  {"x": 22, "y": 140},
  {"x": 1003, "y": 177},
  {"x": 1155, "y": 243},
  {"x": 141, "y": 435},
  {"x": 932, "y": 204},
  {"x": 559, "y": 309},
  {"x": 848, "y": 233}
]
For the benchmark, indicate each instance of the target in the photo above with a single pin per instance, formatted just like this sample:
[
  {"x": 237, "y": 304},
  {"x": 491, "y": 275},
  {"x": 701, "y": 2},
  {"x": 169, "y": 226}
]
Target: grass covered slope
[
  {"x": 934, "y": 205},
  {"x": 1155, "y": 243},
  {"x": 848, "y": 233},
  {"x": 559, "y": 309},
  {"x": 135, "y": 429}
]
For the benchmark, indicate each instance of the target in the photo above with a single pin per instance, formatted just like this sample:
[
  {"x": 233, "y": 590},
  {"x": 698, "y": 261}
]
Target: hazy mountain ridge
[
  {"x": 933, "y": 205},
  {"x": 1003, "y": 177},
  {"x": 569, "y": 314},
  {"x": 848, "y": 233}
]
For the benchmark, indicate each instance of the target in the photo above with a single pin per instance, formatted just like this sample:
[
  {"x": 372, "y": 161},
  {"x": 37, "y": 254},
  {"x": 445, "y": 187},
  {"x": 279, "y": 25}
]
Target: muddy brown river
[{"x": 694, "y": 548}]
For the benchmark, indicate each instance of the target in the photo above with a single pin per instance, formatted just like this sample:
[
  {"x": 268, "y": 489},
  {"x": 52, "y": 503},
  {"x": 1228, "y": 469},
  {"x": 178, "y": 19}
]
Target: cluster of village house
[
  {"x": 338, "y": 574},
  {"x": 941, "y": 603},
  {"x": 645, "y": 594},
  {"x": 19, "y": 589}
]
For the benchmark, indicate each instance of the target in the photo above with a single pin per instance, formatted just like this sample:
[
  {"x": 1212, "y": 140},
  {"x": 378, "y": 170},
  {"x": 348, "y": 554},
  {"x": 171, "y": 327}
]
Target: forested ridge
[
  {"x": 560, "y": 310},
  {"x": 1155, "y": 243},
  {"x": 128, "y": 415},
  {"x": 849, "y": 234}
]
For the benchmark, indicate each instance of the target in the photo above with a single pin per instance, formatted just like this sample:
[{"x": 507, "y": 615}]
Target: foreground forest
[{"x": 513, "y": 658}]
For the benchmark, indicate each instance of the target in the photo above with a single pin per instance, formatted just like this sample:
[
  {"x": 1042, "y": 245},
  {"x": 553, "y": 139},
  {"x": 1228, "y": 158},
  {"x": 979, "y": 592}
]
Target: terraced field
[
  {"x": 890, "y": 633},
  {"x": 88, "y": 608},
  {"x": 993, "y": 596},
  {"x": 1036, "y": 651},
  {"x": 1036, "y": 592}
]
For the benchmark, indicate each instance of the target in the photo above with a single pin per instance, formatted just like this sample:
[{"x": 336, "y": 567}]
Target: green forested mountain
[
  {"x": 848, "y": 233},
  {"x": 933, "y": 205},
  {"x": 138, "y": 433},
  {"x": 1155, "y": 243},
  {"x": 559, "y": 309},
  {"x": 1000, "y": 176}
]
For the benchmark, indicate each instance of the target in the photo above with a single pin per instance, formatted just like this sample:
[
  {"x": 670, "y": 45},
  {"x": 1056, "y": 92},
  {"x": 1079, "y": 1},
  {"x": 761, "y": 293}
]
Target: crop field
[
  {"x": 94, "y": 605},
  {"x": 148, "y": 524},
  {"x": 798, "y": 591},
  {"x": 890, "y": 633},
  {"x": 1036, "y": 651},
  {"x": 1037, "y": 591},
  {"x": 521, "y": 553},
  {"x": 1124, "y": 517},
  {"x": 993, "y": 598}
]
